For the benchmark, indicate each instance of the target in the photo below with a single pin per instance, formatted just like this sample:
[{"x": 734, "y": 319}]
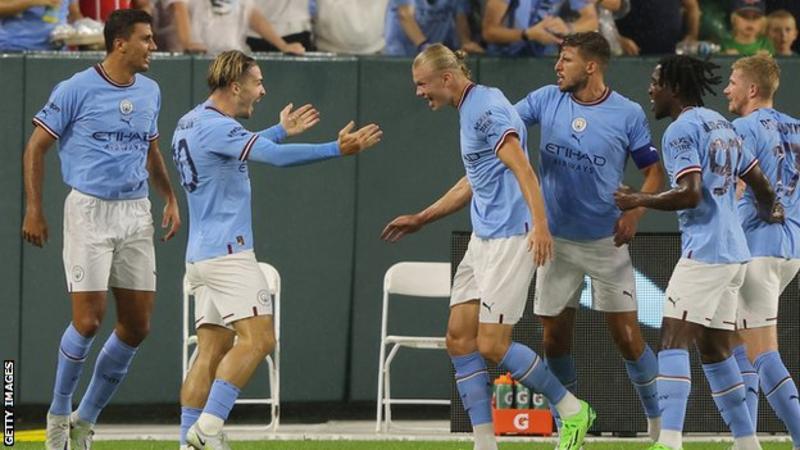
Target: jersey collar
[
  {"x": 104, "y": 75},
  {"x": 464, "y": 93},
  {"x": 606, "y": 94}
]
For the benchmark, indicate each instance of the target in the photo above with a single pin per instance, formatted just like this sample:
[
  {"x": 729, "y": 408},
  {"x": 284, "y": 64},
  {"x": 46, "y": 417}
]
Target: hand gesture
[
  {"x": 472, "y": 47},
  {"x": 626, "y": 198},
  {"x": 540, "y": 243},
  {"x": 295, "y": 48},
  {"x": 171, "y": 219},
  {"x": 353, "y": 142},
  {"x": 400, "y": 227},
  {"x": 34, "y": 228},
  {"x": 625, "y": 228},
  {"x": 299, "y": 120},
  {"x": 542, "y": 34},
  {"x": 774, "y": 215}
]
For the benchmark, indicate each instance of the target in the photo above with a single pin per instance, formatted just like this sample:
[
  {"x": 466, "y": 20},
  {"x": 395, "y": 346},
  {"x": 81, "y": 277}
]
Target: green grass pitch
[{"x": 389, "y": 445}]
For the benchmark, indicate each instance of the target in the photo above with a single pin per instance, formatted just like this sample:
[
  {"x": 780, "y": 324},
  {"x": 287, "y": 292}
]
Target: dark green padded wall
[
  {"x": 319, "y": 225},
  {"x": 12, "y": 72}
]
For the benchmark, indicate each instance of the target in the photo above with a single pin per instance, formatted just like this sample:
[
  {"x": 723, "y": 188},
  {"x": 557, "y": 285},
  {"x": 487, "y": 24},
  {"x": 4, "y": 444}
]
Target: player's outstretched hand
[
  {"x": 625, "y": 228},
  {"x": 626, "y": 198},
  {"x": 299, "y": 120},
  {"x": 353, "y": 142},
  {"x": 540, "y": 244},
  {"x": 400, "y": 227},
  {"x": 34, "y": 228},
  {"x": 171, "y": 220}
]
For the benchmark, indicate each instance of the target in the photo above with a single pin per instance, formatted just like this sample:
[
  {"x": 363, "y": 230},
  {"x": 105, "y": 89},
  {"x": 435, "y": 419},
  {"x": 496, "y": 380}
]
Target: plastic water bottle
[
  {"x": 503, "y": 392},
  {"x": 700, "y": 48},
  {"x": 522, "y": 396}
]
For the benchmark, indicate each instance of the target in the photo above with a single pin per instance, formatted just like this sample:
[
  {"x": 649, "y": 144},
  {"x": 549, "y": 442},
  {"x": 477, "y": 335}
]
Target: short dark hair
[
  {"x": 591, "y": 45},
  {"x": 120, "y": 25},
  {"x": 689, "y": 77}
]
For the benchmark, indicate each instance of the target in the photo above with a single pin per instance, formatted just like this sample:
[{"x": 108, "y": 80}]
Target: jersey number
[
  {"x": 788, "y": 171},
  {"x": 725, "y": 169},
  {"x": 185, "y": 165}
]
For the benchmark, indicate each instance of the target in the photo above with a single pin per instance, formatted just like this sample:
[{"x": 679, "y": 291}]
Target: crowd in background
[{"x": 405, "y": 27}]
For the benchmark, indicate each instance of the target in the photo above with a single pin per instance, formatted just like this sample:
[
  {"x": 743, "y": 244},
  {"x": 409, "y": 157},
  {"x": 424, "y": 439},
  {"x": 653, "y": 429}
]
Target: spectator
[
  {"x": 412, "y": 25},
  {"x": 793, "y": 6},
  {"x": 782, "y": 31},
  {"x": 747, "y": 30},
  {"x": 214, "y": 26},
  {"x": 27, "y": 24},
  {"x": 656, "y": 27},
  {"x": 350, "y": 26},
  {"x": 291, "y": 19},
  {"x": 608, "y": 11},
  {"x": 532, "y": 27}
]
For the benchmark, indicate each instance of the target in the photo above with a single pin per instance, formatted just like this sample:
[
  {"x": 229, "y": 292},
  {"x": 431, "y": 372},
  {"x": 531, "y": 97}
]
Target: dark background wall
[{"x": 319, "y": 225}]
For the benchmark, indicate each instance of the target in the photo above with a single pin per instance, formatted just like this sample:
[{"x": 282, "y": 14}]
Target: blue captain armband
[{"x": 645, "y": 156}]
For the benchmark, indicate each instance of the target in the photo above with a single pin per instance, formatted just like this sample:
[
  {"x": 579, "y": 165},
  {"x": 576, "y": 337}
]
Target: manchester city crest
[
  {"x": 126, "y": 107},
  {"x": 578, "y": 124}
]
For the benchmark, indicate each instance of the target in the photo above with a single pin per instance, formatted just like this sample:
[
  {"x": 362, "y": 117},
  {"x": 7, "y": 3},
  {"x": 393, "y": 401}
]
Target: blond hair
[
  {"x": 439, "y": 58},
  {"x": 228, "y": 67},
  {"x": 779, "y": 14},
  {"x": 763, "y": 71}
]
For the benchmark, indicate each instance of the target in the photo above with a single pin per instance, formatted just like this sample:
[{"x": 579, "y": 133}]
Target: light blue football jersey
[
  {"x": 104, "y": 131},
  {"x": 211, "y": 151},
  {"x": 436, "y": 19},
  {"x": 498, "y": 208},
  {"x": 28, "y": 31},
  {"x": 774, "y": 138},
  {"x": 523, "y": 14},
  {"x": 583, "y": 152},
  {"x": 701, "y": 140}
]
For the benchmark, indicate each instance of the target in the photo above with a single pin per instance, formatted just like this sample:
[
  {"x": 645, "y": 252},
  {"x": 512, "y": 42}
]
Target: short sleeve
[
  {"x": 154, "y": 124},
  {"x": 747, "y": 159},
  {"x": 577, "y": 5},
  {"x": 59, "y": 112},
  {"x": 494, "y": 125},
  {"x": 228, "y": 138},
  {"x": 530, "y": 108},
  {"x": 681, "y": 153},
  {"x": 641, "y": 147}
]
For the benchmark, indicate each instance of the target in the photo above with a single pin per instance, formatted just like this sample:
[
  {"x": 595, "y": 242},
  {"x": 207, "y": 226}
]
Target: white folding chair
[
  {"x": 417, "y": 279},
  {"x": 273, "y": 360}
]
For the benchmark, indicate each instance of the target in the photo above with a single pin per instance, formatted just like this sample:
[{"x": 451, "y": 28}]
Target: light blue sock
[
  {"x": 644, "y": 376},
  {"x": 563, "y": 367},
  {"x": 727, "y": 388},
  {"x": 109, "y": 372},
  {"x": 72, "y": 354},
  {"x": 529, "y": 369},
  {"x": 221, "y": 399},
  {"x": 750, "y": 377},
  {"x": 781, "y": 392},
  {"x": 188, "y": 418},
  {"x": 674, "y": 385},
  {"x": 472, "y": 380}
]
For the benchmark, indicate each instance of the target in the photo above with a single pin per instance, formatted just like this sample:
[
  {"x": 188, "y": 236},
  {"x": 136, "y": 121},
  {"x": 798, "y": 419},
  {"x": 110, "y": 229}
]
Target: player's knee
[
  {"x": 86, "y": 326},
  {"x": 459, "y": 344},
  {"x": 133, "y": 334},
  {"x": 261, "y": 344}
]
